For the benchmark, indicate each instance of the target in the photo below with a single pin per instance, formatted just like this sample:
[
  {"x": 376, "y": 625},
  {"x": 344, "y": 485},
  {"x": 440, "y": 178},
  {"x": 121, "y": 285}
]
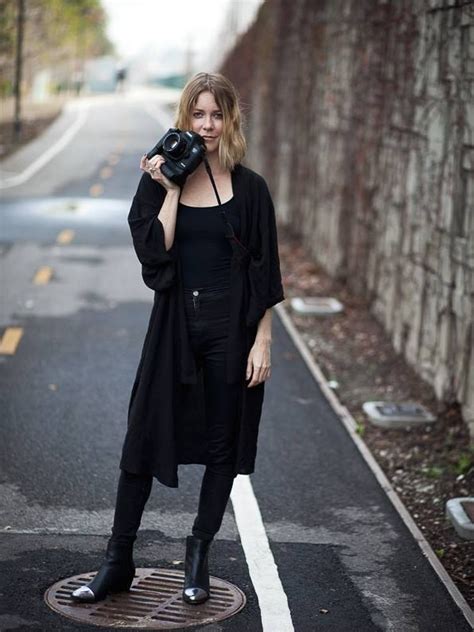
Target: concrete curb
[{"x": 350, "y": 424}]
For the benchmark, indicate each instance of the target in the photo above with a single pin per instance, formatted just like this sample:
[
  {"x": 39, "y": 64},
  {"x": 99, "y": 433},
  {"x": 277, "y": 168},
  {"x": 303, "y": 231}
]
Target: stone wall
[{"x": 360, "y": 115}]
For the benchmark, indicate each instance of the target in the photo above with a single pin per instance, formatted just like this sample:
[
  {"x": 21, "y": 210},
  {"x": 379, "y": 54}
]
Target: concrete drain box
[
  {"x": 154, "y": 602},
  {"x": 316, "y": 305},
  {"x": 461, "y": 513},
  {"x": 394, "y": 415}
]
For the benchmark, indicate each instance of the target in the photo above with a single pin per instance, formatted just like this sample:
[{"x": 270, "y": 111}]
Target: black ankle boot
[
  {"x": 196, "y": 571},
  {"x": 115, "y": 575}
]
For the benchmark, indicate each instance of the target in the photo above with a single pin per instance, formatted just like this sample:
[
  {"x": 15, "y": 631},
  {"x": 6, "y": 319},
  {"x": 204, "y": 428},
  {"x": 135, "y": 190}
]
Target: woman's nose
[{"x": 207, "y": 123}]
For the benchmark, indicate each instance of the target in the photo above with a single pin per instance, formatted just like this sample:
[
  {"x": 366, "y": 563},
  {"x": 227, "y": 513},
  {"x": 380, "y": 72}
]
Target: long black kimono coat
[{"x": 166, "y": 415}]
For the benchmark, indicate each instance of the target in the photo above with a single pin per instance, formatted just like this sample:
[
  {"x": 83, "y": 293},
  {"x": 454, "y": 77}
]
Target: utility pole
[{"x": 18, "y": 68}]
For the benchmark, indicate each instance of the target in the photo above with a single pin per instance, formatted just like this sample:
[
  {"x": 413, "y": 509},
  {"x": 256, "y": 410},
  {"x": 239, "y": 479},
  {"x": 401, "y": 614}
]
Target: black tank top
[{"x": 204, "y": 251}]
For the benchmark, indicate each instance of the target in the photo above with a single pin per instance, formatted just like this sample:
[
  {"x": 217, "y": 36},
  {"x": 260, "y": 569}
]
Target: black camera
[{"x": 183, "y": 152}]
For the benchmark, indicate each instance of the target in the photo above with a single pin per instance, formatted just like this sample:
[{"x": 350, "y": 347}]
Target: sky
[{"x": 169, "y": 32}]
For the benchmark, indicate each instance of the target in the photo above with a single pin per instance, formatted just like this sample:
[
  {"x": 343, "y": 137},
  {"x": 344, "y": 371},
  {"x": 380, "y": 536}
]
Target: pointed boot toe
[
  {"x": 195, "y": 595},
  {"x": 115, "y": 575},
  {"x": 83, "y": 594}
]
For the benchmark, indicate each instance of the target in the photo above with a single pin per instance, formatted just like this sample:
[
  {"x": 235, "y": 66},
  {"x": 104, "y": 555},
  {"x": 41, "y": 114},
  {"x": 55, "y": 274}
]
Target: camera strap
[{"x": 229, "y": 229}]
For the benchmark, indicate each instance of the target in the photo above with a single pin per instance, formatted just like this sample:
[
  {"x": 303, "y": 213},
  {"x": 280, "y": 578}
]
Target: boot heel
[
  {"x": 196, "y": 572},
  {"x": 124, "y": 587}
]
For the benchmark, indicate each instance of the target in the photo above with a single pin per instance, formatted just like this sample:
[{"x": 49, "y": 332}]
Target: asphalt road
[{"x": 337, "y": 541}]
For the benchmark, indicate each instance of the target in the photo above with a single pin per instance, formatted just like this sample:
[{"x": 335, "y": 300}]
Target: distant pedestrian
[
  {"x": 120, "y": 77},
  {"x": 199, "y": 387}
]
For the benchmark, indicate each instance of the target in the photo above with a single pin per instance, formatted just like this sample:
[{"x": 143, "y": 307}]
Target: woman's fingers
[
  {"x": 151, "y": 165},
  {"x": 256, "y": 378},
  {"x": 156, "y": 161},
  {"x": 258, "y": 365},
  {"x": 155, "y": 171},
  {"x": 153, "y": 168},
  {"x": 259, "y": 374}
]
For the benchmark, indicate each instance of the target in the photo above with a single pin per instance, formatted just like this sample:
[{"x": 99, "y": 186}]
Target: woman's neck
[{"x": 213, "y": 160}]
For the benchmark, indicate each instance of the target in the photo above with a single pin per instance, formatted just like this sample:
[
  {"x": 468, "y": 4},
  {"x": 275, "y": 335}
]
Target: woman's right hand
[{"x": 153, "y": 168}]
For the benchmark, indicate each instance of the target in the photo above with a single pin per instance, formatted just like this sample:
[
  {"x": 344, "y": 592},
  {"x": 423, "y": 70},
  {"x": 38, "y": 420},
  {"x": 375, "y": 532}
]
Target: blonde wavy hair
[{"x": 232, "y": 145}]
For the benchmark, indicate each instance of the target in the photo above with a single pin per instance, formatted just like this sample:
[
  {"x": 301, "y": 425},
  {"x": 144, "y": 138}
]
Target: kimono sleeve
[
  {"x": 148, "y": 235},
  {"x": 264, "y": 267}
]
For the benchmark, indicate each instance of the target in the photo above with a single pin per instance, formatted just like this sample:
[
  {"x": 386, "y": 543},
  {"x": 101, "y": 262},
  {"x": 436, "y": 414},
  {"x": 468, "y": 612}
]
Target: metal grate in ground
[{"x": 154, "y": 602}]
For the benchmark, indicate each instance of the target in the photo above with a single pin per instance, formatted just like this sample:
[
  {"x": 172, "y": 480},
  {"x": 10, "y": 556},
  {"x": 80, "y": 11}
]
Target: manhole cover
[{"x": 154, "y": 602}]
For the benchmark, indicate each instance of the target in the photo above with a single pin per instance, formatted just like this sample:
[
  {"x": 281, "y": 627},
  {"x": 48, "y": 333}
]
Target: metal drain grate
[{"x": 154, "y": 602}]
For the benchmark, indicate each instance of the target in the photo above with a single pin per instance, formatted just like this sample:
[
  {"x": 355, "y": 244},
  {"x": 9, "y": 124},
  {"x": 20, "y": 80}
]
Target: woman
[{"x": 198, "y": 391}]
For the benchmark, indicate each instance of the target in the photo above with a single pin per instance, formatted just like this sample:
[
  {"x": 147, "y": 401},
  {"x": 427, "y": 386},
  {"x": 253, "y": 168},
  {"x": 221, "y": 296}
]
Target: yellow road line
[
  {"x": 106, "y": 172},
  {"x": 96, "y": 190},
  {"x": 10, "y": 340},
  {"x": 65, "y": 236},
  {"x": 43, "y": 275}
]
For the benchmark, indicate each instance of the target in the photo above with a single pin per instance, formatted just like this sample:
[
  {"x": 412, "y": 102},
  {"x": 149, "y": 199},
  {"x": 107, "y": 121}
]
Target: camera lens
[{"x": 174, "y": 145}]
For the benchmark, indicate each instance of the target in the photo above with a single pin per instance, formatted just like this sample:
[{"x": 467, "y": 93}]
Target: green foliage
[
  {"x": 73, "y": 21},
  {"x": 7, "y": 31},
  {"x": 434, "y": 471},
  {"x": 6, "y": 87},
  {"x": 55, "y": 32},
  {"x": 464, "y": 463}
]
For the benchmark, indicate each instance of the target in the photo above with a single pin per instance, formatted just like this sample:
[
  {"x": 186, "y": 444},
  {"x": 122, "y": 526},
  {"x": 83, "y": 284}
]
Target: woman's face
[{"x": 207, "y": 120}]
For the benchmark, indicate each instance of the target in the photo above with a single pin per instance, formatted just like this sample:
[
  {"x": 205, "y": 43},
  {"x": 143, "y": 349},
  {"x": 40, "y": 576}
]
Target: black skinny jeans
[{"x": 207, "y": 315}]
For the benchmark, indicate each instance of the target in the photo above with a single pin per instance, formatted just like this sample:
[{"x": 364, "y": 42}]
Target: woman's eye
[{"x": 199, "y": 114}]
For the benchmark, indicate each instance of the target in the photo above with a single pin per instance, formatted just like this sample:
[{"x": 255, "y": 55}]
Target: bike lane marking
[{"x": 263, "y": 571}]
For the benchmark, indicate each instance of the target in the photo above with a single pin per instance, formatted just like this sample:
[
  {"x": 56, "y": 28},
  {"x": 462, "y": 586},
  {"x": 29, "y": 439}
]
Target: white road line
[
  {"x": 273, "y": 602},
  {"x": 42, "y": 160}
]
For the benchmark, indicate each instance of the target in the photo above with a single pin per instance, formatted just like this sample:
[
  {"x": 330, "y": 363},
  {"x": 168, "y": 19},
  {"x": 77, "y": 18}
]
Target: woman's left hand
[{"x": 259, "y": 363}]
